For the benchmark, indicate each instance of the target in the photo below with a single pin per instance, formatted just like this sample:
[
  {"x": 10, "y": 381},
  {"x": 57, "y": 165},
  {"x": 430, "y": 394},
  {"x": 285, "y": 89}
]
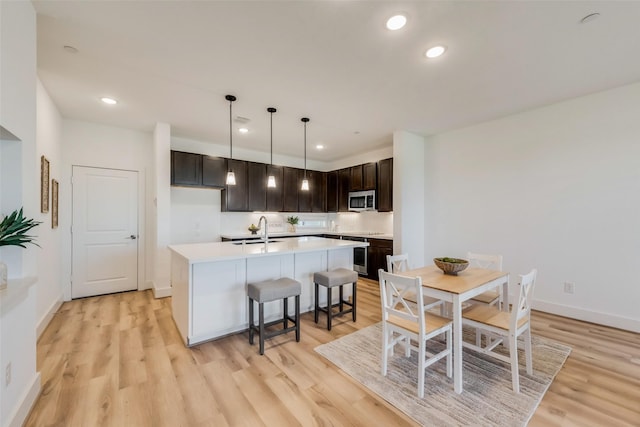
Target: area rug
[{"x": 487, "y": 399}]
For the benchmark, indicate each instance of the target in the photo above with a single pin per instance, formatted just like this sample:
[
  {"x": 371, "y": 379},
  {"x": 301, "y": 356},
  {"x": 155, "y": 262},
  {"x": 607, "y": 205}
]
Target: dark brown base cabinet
[{"x": 377, "y": 256}]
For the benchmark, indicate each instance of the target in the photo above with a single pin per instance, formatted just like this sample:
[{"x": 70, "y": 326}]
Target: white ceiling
[{"x": 332, "y": 61}]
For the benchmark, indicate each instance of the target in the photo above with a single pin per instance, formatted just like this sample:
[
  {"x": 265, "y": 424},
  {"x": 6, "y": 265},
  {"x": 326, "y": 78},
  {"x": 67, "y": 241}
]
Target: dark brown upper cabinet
[
  {"x": 356, "y": 178},
  {"x": 369, "y": 176},
  {"x": 235, "y": 198},
  {"x": 275, "y": 200},
  {"x": 290, "y": 189},
  {"x": 186, "y": 169},
  {"x": 319, "y": 192},
  {"x": 344, "y": 180},
  {"x": 257, "y": 186},
  {"x": 214, "y": 171},
  {"x": 384, "y": 193},
  {"x": 197, "y": 170},
  {"x": 332, "y": 191}
]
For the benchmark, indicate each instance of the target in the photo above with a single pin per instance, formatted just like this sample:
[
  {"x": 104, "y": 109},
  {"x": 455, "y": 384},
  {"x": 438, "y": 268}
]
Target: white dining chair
[
  {"x": 492, "y": 262},
  {"x": 504, "y": 328},
  {"x": 396, "y": 264},
  {"x": 407, "y": 322}
]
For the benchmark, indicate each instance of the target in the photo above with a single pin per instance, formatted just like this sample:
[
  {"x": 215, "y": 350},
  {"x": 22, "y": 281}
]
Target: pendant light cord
[
  {"x": 230, "y": 131},
  {"x": 305, "y": 120},
  {"x": 271, "y": 123}
]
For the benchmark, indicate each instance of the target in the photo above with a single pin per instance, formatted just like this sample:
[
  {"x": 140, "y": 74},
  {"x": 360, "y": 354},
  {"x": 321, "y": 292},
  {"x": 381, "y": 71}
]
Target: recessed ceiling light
[
  {"x": 243, "y": 130},
  {"x": 435, "y": 51},
  {"x": 396, "y": 22},
  {"x": 109, "y": 101},
  {"x": 319, "y": 147}
]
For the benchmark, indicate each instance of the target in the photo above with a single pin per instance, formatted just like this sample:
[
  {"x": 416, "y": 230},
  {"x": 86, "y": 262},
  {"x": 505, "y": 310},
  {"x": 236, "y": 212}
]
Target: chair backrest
[
  {"x": 397, "y": 263},
  {"x": 522, "y": 308},
  {"x": 394, "y": 290},
  {"x": 492, "y": 262}
]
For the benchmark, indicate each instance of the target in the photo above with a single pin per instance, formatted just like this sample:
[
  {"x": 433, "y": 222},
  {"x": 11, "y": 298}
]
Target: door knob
[{"x": 133, "y": 237}]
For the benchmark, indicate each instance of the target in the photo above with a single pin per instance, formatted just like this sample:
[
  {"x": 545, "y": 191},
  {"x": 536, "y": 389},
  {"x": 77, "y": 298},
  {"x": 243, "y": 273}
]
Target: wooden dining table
[{"x": 456, "y": 290}]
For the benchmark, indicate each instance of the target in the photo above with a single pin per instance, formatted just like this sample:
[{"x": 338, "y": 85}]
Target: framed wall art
[
  {"x": 54, "y": 203},
  {"x": 44, "y": 184}
]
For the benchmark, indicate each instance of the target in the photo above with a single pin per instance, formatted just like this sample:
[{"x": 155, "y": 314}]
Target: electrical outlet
[
  {"x": 7, "y": 375},
  {"x": 569, "y": 287}
]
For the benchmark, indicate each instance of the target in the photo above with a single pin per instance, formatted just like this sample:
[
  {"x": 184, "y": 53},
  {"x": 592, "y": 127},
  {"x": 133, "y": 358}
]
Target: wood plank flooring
[{"x": 118, "y": 360}]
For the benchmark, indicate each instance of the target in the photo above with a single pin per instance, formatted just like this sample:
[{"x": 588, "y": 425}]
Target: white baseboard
[
  {"x": 46, "y": 318},
  {"x": 606, "y": 319},
  {"x": 161, "y": 292},
  {"x": 19, "y": 416}
]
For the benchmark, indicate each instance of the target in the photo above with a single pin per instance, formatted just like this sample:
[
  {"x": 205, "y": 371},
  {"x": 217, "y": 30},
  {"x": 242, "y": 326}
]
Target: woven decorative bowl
[{"x": 451, "y": 266}]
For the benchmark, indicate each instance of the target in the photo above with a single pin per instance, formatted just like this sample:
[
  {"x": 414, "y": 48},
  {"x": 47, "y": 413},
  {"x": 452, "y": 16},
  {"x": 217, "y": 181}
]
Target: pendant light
[
  {"x": 231, "y": 177},
  {"x": 305, "y": 181},
  {"x": 271, "y": 180}
]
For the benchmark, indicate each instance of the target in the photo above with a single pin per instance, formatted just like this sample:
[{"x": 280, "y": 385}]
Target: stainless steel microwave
[{"x": 362, "y": 201}]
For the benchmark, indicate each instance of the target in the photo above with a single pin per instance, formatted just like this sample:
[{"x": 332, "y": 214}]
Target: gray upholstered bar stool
[
  {"x": 331, "y": 279},
  {"x": 272, "y": 290}
]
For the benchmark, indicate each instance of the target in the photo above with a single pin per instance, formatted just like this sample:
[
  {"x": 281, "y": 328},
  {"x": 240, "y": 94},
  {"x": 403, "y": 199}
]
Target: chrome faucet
[{"x": 266, "y": 228}]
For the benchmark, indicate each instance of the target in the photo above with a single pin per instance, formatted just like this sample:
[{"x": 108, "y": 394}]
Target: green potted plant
[
  {"x": 13, "y": 232},
  {"x": 293, "y": 221}
]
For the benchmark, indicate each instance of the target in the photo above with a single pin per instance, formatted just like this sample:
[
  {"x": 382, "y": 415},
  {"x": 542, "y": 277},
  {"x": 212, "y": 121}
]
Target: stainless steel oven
[{"x": 359, "y": 255}]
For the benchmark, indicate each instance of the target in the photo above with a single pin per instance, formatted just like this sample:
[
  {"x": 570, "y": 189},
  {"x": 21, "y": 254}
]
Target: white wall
[
  {"x": 409, "y": 196},
  {"x": 554, "y": 188},
  {"x": 96, "y": 145},
  {"x": 49, "y": 286}
]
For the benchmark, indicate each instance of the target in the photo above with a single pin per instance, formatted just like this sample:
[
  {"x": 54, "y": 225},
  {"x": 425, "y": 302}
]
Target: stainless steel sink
[{"x": 253, "y": 242}]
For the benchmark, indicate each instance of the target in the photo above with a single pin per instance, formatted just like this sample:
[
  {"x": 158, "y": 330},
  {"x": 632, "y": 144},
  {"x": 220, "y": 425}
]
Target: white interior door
[{"x": 105, "y": 231}]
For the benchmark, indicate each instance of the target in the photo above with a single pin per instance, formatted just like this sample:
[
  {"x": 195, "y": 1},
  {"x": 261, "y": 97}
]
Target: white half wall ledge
[
  {"x": 6, "y": 135},
  {"x": 604, "y": 319}
]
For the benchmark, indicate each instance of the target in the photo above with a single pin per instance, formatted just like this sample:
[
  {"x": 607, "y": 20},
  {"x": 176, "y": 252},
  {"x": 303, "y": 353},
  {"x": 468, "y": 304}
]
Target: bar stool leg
[
  {"x": 261, "y": 320},
  {"x": 285, "y": 319},
  {"x": 250, "y": 321},
  {"x": 353, "y": 301},
  {"x": 317, "y": 304},
  {"x": 329, "y": 309},
  {"x": 340, "y": 306},
  {"x": 298, "y": 318}
]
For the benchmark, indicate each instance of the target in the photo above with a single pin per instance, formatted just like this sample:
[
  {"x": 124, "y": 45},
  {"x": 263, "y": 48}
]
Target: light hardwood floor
[{"x": 118, "y": 360}]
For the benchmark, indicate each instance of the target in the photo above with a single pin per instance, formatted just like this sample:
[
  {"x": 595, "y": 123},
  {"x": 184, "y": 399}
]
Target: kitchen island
[{"x": 209, "y": 280}]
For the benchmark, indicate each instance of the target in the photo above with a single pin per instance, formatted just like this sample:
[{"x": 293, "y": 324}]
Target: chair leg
[
  {"x": 385, "y": 349},
  {"x": 297, "y": 318},
  {"x": 421, "y": 367},
  {"x": 353, "y": 301},
  {"x": 261, "y": 320},
  {"x": 317, "y": 304},
  {"x": 250, "y": 321},
  {"x": 513, "y": 354},
  {"x": 449, "y": 358},
  {"x": 527, "y": 351},
  {"x": 340, "y": 306},
  {"x": 478, "y": 337}
]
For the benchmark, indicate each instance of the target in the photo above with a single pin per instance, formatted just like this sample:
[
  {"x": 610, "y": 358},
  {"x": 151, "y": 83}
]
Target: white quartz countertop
[
  {"x": 366, "y": 234},
  {"x": 219, "y": 251}
]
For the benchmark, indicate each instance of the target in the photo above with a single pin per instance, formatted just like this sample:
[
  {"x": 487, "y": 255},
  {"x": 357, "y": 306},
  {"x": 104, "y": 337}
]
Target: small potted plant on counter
[
  {"x": 293, "y": 221},
  {"x": 13, "y": 232}
]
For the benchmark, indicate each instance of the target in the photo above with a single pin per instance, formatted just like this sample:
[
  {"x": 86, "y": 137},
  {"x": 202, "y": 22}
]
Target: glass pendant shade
[
  {"x": 231, "y": 178},
  {"x": 305, "y": 181},
  {"x": 271, "y": 181}
]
